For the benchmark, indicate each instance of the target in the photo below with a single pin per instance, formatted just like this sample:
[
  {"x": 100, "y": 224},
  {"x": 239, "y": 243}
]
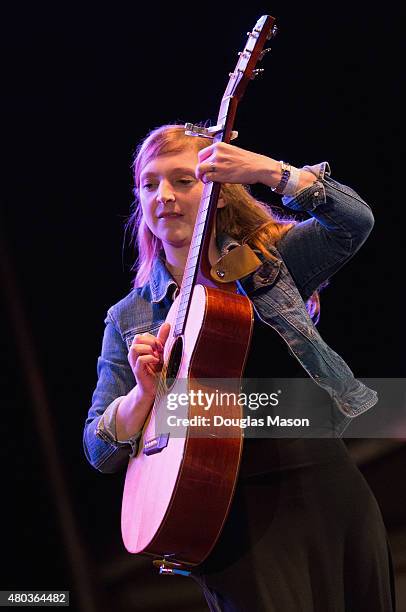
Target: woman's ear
[{"x": 221, "y": 203}]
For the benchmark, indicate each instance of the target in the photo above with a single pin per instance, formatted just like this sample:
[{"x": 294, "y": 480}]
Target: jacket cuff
[
  {"x": 106, "y": 429},
  {"x": 308, "y": 198}
]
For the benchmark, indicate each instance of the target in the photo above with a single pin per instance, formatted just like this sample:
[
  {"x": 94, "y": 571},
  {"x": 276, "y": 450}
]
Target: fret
[
  {"x": 188, "y": 272},
  {"x": 196, "y": 246},
  {"x": 198, "y": 232},
  {"x": 200, "y": 225},
  {"x": 202, "y": 218},
  {"x": 189, "y": 276}
]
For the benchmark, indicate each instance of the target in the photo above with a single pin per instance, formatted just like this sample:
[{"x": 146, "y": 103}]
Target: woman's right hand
[{"x": 146, "y": 359}]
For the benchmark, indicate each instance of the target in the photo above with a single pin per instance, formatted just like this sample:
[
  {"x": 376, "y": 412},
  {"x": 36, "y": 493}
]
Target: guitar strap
[{"x": 235, "y": 264}]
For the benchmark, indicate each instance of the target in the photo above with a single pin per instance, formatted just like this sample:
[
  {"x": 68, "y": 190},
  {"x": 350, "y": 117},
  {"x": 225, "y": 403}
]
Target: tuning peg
[
  {"x": 257, "y": 72},
  {"x": 264, "y": 52},
  {"x": 272, "y": 33}
]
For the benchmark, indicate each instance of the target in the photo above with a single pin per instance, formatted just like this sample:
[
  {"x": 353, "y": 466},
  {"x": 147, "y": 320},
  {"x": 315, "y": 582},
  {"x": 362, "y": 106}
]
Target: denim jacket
[{"x": 306, "y": 256}]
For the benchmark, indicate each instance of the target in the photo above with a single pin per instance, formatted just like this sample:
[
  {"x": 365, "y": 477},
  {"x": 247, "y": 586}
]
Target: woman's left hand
[{"x": 225, "y": 163}]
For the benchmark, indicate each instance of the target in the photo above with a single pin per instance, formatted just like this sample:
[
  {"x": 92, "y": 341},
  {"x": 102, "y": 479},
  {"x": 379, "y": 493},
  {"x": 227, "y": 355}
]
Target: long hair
[{"x": 244, "y": 218}]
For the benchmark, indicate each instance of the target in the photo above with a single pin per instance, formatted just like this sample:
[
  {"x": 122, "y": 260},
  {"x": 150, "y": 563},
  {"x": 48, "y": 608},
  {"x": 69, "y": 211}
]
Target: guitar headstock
[
  {"x": 244, "y": 71},
  {"x": 253, "y": 52}
]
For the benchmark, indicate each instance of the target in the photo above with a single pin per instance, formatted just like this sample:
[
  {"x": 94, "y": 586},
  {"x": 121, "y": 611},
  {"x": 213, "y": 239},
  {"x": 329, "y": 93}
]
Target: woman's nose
[{"x": 165, "y": 193}]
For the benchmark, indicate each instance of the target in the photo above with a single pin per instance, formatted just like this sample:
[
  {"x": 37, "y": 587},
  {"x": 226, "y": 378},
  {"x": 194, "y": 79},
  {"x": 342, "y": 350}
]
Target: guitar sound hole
[{"x": 174, "y": 362}]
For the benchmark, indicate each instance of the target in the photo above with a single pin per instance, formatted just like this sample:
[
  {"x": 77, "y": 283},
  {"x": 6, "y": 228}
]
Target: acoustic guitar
[{"x": 179, "y": 488}]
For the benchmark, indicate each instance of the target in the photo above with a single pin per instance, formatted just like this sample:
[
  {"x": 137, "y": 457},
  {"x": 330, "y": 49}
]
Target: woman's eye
[
  {"x": 186, "y": 181},
  {"x": 148, "y": 186}
]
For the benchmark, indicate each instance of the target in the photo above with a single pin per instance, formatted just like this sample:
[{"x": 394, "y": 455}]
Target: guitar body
[{"x": 176, "y": 500}]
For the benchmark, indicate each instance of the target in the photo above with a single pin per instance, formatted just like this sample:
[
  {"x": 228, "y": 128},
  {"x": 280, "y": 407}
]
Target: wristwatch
[{"x": 285, "y": 169}]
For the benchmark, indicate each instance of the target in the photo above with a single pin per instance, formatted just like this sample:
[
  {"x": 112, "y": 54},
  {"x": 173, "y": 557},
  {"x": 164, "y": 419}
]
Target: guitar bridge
[{"x": 156, "y": 445}]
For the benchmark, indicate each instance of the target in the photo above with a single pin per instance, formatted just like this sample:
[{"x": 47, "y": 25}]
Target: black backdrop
[{"x": 81, "y": 86}]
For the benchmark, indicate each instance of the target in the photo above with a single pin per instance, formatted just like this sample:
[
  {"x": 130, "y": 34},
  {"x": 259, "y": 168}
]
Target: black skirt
[{"x": 303, "y": 535}]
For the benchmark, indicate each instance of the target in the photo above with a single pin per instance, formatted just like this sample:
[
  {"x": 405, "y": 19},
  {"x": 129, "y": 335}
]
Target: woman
[{"x": 304, "y": 532}]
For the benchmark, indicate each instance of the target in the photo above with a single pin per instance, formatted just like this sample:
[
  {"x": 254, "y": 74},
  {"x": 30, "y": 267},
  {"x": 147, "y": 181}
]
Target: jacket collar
[{"x": 161, "y": 279}]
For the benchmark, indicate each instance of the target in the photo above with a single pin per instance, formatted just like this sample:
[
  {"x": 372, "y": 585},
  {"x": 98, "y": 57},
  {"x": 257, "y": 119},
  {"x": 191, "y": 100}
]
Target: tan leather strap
[{"x": 236, "y": 264}]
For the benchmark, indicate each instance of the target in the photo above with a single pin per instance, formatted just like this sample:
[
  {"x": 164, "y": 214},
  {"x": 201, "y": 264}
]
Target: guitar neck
[{"x": 198, "y": 266}]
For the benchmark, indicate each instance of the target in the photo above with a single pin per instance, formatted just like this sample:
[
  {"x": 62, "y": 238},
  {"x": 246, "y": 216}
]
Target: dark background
[{"x": 81, "y": 86}]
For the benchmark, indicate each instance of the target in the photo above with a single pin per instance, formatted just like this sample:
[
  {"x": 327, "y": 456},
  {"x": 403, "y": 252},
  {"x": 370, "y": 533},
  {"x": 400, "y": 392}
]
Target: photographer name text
[{"x": 220, "y": 421}]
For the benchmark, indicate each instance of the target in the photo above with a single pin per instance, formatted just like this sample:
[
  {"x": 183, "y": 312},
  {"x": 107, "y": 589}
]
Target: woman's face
[{"x": 170, "y": 195}]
